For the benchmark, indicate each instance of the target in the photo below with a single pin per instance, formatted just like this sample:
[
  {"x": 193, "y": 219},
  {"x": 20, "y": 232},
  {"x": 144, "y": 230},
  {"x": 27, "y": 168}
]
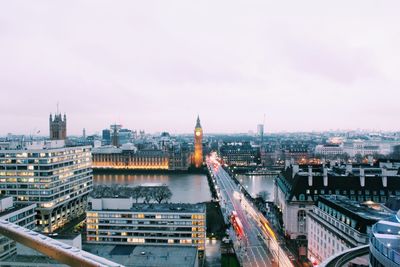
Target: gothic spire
[{"x": 198, "y": 125}]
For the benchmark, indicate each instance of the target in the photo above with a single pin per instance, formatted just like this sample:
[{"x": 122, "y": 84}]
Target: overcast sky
[{"x": 155, "y": 65}]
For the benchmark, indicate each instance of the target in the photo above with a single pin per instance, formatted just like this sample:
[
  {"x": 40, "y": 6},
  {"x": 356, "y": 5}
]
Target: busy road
[{"x": 255, "y": 242}]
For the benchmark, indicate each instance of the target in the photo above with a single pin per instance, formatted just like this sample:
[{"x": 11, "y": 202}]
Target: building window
[{"x": 301, "y": 221}]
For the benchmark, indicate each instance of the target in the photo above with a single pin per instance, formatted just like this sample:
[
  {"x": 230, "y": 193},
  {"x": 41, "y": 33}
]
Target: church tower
[
  {"x": 58, "y": 127},
  {"x": 198, "y": 144}
]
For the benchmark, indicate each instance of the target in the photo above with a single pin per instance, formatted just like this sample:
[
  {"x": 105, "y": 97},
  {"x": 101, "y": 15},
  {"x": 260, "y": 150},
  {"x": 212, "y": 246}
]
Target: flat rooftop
[
  {"x": 164, "y": 207},
  {"x": 148, "y": 255},
  {"x": 169, "y": 207},
  {"x": 14, "y": 208},
  {"x": 368, "y": 210},
  {"x": 28, "y": 260}
]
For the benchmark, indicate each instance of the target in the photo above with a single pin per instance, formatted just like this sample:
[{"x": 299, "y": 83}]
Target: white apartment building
[
  {"x": 329, "y": 150},
  {"x": 369, "y": 147},
  {"x": 298, "y": 187},
  {"x": 56, "y": 177},
  {"x": 337, "y": 223},
  {"x": 120, "y": 221},
  {"x": 21, "y": 214}
]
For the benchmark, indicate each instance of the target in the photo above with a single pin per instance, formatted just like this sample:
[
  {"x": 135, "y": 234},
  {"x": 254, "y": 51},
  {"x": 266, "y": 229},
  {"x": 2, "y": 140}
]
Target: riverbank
[
  {"x": 190, "y": 170},
  {"x": 185, "y": 187}
]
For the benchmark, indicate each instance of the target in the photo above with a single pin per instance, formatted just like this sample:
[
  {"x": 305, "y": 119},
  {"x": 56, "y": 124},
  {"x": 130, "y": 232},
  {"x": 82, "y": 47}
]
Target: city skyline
[
  {"x": 155, "y": 66},
  {"x": 37, "y": 132}
]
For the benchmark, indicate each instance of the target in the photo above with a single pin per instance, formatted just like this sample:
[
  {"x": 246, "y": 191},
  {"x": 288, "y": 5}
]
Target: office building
[
  {"x": 238, "y": 154},
  {"x": 56, "y": 177},
  {"x": 121, "y": 221},
  {"x": 147, "y": 255},
  {"x": 299, "y": 186},
  {"x": 260, "y": 132},
  {"x": 329, "y": 151},
  {"x": 124, "y": 136},
  {"x": 296, "y": 152},
  {"x": 337, "y": 223},
  {"x": 106, "y": 137},
  {"x": 20, "y": 214}
]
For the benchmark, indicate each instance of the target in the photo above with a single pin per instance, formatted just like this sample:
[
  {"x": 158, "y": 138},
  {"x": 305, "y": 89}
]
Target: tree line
[{"x": 144, "y": 194}]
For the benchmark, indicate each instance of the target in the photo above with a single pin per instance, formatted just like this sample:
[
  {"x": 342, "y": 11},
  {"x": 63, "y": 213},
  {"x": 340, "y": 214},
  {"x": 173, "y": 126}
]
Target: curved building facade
[{"x": 385, "y": 243}]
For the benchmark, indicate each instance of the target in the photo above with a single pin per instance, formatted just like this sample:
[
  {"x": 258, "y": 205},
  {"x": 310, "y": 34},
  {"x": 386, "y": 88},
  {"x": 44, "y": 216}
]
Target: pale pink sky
[{"x": 155, "y": 65}]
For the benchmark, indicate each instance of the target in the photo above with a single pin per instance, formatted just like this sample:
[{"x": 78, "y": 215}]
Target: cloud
[{"x": 155, "y": 65}]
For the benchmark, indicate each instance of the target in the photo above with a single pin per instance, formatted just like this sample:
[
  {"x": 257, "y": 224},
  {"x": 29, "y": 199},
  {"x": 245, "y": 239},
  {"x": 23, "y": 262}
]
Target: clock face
[{"x": 198, "y": 133}]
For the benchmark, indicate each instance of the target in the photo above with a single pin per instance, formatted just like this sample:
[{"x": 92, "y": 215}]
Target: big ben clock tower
[{"x": 198, "y": 144}]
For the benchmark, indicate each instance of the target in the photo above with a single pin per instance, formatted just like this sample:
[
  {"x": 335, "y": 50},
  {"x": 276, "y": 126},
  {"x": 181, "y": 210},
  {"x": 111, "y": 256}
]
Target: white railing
[{"x": 57, "y": 250}]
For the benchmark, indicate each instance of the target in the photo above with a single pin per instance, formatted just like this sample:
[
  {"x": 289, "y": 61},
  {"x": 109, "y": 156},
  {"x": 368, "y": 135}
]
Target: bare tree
[
  {"x": 124, "y": 191},
  {"x": 147, "y": 194},
  {"x": 114, "y": 190},
  {"x": 137, "y": 192},
  {"x": 157, "y": 193},
  {"x": 161, "y": 193}
]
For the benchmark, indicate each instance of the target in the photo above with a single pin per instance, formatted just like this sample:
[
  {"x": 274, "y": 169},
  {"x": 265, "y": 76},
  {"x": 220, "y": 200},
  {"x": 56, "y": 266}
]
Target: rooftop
[
  {"x": 367, "y": 210},
  {"x": 24, "y": 260},
  {"x": 165, "y": 207},
  {"x": 296, "y": 180},
  {"x": 149, "y": 255},
  {"x": 14, "y": 208}
]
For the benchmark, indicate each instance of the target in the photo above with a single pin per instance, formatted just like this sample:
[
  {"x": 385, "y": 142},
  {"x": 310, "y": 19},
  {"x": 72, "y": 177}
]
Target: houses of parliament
[{"x": 164, "y": 155}]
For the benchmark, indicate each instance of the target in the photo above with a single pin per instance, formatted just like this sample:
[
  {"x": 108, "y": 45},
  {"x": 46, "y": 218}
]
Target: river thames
[
  {"x": 257, "y": 183},
  {"x": 185, "y": 188}
]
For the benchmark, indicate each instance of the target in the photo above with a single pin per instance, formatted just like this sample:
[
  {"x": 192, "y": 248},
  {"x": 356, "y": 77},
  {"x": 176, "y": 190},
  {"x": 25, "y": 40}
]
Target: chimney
[
  {"x": 310, "y": 176},
  {"x": 295, "y": 169},
  {"x": 362, "y": 177},
  {"x": 349, "y": 168},
  {"x": 325, "y": 171},
  {"x": 384, "y": 177}
]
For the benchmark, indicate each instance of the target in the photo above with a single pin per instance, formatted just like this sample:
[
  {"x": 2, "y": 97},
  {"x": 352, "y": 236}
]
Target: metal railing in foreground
[{"x": 57, "y": 250}]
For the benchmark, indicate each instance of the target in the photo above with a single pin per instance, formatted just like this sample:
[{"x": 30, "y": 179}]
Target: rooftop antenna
[{"x": 57, "y": 107}]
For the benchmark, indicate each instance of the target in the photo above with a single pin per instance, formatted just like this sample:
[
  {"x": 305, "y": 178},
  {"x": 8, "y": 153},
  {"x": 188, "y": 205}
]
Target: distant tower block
[
  {"x": 58, "y": 127},
  {"x": 260, "y": 132},
  {"x": 198, "y": 144}
]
